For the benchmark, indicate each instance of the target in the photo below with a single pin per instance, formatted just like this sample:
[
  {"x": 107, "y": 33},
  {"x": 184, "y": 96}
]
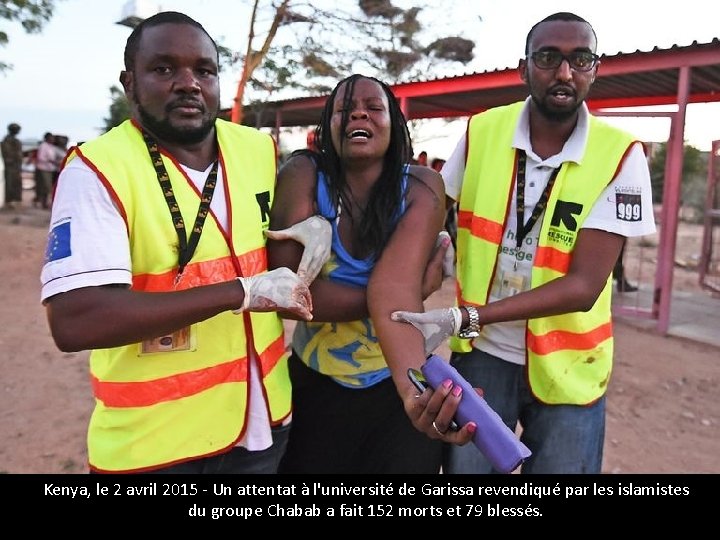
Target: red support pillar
[
  {"x": 712, "y": 218},
  {"x": 405, "y": 107},
  {"x": 671, "y": 205}
]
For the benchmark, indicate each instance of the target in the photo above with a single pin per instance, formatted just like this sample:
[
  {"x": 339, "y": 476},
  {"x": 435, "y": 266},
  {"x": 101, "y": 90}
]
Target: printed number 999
[{"x": 628, "y": 211}]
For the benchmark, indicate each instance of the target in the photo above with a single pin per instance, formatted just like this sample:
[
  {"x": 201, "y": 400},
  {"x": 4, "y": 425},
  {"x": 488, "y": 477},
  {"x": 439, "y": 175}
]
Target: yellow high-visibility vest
[
  {"x": 162, "y": 408},
  {"x": 569, "y": 356}
]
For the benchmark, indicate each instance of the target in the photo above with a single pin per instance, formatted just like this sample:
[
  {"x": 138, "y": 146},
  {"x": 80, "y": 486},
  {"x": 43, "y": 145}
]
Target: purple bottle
[{"x": 493, "y": 438}]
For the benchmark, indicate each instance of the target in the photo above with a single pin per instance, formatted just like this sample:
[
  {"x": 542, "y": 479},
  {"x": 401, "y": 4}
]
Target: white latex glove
[
  {"x": 435, "y": 325},
  {"x": 315, "y": 233},
  {"x": 279, "y": 289}
]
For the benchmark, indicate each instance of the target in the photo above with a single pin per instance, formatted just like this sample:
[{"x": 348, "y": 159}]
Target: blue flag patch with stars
[{"x": 58, "y": 245}]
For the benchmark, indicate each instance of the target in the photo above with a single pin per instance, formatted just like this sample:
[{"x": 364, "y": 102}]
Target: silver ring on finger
[{"x": 441, "y": 433}]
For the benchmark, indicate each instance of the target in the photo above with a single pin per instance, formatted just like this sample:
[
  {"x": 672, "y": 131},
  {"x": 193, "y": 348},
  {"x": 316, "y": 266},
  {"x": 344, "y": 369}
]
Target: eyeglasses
[{"x": 579, "y": 61}]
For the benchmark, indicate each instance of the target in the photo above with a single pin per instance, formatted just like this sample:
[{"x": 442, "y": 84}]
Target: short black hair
[
  {"x": 560, "y": 16},
  {"x": 164, "y": 17}
]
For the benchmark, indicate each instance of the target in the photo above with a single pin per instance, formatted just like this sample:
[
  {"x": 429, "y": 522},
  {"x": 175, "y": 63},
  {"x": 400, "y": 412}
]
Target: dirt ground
[{"x": 663, "y": 398}]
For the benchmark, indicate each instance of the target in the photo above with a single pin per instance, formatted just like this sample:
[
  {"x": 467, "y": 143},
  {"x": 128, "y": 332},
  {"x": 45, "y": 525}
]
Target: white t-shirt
[
  {"x": 507, "y": 339},
  {"x": 99, "y": 254},
  {"x": 47, "y": 158}
]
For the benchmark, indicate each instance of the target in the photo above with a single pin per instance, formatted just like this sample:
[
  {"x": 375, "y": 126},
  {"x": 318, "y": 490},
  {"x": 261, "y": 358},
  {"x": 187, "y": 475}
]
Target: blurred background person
[
  {"x": 46, "y": 166},
  {"x": 61, "y": 148},
  {"x": 12, "y": 159}
]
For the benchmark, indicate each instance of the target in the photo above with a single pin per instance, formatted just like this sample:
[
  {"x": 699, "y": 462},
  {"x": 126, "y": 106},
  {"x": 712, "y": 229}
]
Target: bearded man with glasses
[{"x": 547, "y": 195}]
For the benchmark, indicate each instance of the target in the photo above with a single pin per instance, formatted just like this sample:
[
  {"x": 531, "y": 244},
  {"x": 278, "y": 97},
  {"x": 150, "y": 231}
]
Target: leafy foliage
[
  {"x": 456, "y": 49},
  {"x": 693, "y": 184},
  {"x": 119, "y": 109},
  {"x": 294, "y": 45},
  {"x": 31, "y": 14},
  {"x": 379, "y": 8},
  {"x": 321, "y": 46}
]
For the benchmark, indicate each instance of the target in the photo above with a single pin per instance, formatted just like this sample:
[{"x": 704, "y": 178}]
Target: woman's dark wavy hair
[{"x": 385, "y": 199}]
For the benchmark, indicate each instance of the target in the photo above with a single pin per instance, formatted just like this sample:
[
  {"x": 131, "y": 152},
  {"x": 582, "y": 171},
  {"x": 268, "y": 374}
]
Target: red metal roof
[{"x": 633, "y": 79}]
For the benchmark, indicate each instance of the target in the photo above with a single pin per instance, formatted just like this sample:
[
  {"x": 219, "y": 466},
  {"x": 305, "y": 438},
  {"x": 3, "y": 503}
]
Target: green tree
[
  {"x": 119, "y": 109},
  {"x": 293, "y": 44},
  {"x": 693, "y": 183},
  {"x": 307, "y": 48},
  {"x": 31, "y": 14}
]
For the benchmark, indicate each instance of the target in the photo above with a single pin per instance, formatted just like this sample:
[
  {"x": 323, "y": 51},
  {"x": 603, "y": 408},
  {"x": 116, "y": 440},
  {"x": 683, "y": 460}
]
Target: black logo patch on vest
[
  {"x": 565, "y": 213},
  {"x": 263, "y": 200}
]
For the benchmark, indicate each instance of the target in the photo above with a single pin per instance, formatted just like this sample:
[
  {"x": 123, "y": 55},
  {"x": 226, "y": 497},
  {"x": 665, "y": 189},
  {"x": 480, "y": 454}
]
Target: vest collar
[{"x": 574, "y": 148}]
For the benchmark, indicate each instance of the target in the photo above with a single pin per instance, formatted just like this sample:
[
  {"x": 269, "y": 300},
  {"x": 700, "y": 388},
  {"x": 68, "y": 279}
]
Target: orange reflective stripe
[
  {"x": 480, "y": 227},
  {"x": 146, "y": 393},
  {"x": 203, "y": 273},
  {"x": 547, "y": 257},
  {"x": 560, "y": 340},
  {"x": 271, "y": 356}
]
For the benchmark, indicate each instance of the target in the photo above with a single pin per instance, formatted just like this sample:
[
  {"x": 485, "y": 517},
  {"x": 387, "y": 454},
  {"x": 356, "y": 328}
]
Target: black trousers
[{"x": 340, "y": 430}]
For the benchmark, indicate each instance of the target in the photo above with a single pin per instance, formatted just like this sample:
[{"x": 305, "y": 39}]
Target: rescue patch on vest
[
  {"x": 263, "y": 200},
  {"x": 561, "y": 237},
  {"x": 565, "y": 214},
  {"x": 563, "y": 225}
]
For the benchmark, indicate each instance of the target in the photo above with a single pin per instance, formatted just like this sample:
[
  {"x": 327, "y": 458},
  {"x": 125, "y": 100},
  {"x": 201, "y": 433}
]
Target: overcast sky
[{"x": 61, "y": 78}]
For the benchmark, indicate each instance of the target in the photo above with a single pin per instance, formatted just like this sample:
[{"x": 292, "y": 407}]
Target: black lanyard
[
  {"x": 187, "y": 247},
  {"x": 524, "y": 230}
]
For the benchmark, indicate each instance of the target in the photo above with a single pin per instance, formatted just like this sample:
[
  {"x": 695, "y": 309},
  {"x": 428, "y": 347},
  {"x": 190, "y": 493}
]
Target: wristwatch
[{"x": 473, "y": 328}]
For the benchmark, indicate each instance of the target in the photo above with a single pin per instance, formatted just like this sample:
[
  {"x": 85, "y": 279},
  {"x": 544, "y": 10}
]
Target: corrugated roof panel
[{"x": 624, "y": 79}]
